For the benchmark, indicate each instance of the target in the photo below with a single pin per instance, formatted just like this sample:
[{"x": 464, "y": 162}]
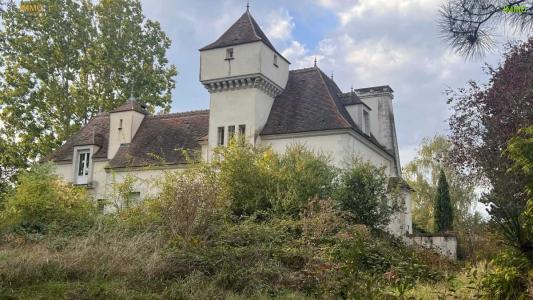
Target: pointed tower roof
[{"x": 244, "y": 30}]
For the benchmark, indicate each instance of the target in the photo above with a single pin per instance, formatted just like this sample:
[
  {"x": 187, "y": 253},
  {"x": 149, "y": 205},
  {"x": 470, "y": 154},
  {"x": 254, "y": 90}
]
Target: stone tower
[{"x": 243, "y": 73}]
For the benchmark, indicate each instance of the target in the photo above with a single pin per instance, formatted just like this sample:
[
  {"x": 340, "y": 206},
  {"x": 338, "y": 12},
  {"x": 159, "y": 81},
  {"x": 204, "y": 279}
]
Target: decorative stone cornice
[{"x": 258, "y": 81}]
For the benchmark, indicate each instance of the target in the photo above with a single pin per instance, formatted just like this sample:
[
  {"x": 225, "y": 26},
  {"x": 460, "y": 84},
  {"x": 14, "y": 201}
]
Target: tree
[
  {"x": 484, "y": 118},
  {"x": 68, "y": 62},
  {"x": 469, "y": 25},
  {"x": 443, "y": 206},
  {"x": 422, "y": 175},
  {"x": 361, "y": 194}
]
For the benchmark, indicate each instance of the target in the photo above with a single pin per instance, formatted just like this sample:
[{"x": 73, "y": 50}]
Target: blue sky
[{"x": 362, "y": 42}]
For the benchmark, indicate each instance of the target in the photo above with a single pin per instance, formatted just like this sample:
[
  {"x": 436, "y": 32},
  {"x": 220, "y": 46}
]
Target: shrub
[
  {"x": 42, "y": 203},
  {"x": 246, "y": 177},
  {"x": 188, "y": 202},
  {"x": 361, "y": 194},
  {"x": 303, "y": 175}
]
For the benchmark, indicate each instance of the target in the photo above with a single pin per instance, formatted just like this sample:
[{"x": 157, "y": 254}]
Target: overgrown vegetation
[{"x": 303, "y": 236}]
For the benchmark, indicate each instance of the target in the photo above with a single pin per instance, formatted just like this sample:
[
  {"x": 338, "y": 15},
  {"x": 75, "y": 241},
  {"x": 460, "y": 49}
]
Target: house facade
[{"x": 253, "y": 94}]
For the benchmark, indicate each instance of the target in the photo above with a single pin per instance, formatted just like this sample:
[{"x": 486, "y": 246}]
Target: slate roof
[
  {"x": 157, "y": 141},
  {"x": 96, "y": 132},
  {"x": 312, "y": 101},
  {"x": 244, "y": 30},
  {"x": 161, "y": 138}
]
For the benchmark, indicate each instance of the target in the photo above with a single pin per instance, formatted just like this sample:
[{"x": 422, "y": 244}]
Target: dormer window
[
  {"x": 83, "y": 157},
  {"x": 275, "y": 60},
  {"x": 366, "y": 122},
  {"x": 229, "y": 53}
]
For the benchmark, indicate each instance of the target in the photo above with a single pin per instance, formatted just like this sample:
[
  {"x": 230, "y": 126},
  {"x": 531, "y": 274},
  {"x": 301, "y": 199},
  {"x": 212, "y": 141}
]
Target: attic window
[
  {"x": 275, "y": 60},
  {"x": 120, "y": 125},
  {"x": 229, "y": 53},
  {"x": 366, "y": 122}
]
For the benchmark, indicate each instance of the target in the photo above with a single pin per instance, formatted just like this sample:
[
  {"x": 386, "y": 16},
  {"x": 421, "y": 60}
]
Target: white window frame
[
  {"x": 85, "y": 178},
  {"x": 220, "y": 136}
]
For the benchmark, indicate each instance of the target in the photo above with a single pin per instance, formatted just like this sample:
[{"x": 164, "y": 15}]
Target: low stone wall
[{"x": 445, "y": 244}]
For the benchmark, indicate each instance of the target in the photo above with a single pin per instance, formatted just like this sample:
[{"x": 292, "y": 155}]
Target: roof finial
[
  {"x": 315, "y": 61},
  {"x": 351, "y": 89},
  {"x": 331, "y": 75},
  {"x": 132, "y": 98},
  {"x": 248, "y": 5}
]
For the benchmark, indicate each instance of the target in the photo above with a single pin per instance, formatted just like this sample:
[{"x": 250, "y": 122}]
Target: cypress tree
[{"x": 443, "y": 211}]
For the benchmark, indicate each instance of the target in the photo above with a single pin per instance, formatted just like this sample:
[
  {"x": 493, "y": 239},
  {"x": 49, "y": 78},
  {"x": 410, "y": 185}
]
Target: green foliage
[
  {"x": 302, "y": 175},
  {"x": 422, "y": 174},
  {"x": 443, "y": 206},
  {"x": 361, "y": 194},
  {"x": 69, "y": 61},
  {"x": 43, "y": 203},
  {"x": 254, "y": 179},
  {"x": 508, "y": 278},
  {"x": 246, "y": 177}
]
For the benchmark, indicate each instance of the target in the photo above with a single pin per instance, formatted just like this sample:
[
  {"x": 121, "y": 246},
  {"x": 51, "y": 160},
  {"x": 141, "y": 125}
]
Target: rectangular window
[
  {"x": 82, "y": 166},
  {"x": 220, "y": 138},
  {"x": 275, "y": 60},
  {"x": 229, "y": 53},
  {"x": 366, "y": 122},
  {"x": 242, "y": 129},
  {"x": 231, "y": 132}
]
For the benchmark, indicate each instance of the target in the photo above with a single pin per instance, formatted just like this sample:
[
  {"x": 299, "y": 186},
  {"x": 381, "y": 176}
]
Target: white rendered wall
[
  {"x": 213, "y": 63},
  {"x": 340, "y": 146},
  {"x": 250, "y": 107},
  {"x": 251, "y": 58},
  {"x": 356, "y": 112},
  {"x": 131, "y": 120},
  {"x": 280, "y": 74}
]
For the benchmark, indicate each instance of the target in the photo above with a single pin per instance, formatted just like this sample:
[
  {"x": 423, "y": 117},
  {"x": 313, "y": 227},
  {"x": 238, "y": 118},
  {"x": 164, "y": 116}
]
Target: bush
[
  {"x": 303, "y": 175},
  {"x": 188, "y": 202},
  {"x": 246, "y": 177},
  {"x": 361, "y": 194},
  {"x": 42, "y": 203}
]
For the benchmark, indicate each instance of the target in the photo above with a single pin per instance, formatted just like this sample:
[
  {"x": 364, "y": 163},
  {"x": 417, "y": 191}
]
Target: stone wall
[{"x": 445, "y": 244}]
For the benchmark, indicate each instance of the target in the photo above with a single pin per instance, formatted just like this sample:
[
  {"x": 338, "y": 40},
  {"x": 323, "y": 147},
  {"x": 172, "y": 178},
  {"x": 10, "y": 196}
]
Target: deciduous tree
[{"x": 67, "y": 62}]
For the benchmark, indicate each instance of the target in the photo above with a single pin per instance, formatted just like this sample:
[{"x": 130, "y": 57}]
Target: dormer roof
[
  {"x": 131, "y": 105},
  {"x": 244, "y": 30}
]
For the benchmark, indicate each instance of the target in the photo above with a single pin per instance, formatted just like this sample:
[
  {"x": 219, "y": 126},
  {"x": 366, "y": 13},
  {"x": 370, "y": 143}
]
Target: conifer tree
[{"x": 443, "y": 206}]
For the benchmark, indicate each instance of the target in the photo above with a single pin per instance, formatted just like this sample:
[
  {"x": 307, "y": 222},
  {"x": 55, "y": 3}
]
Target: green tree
[
  {"x": 443, "y": 206},
  {"x": 361, "y": 194},
  {"x": 69, "y": 61},
  {"x": 422, "y": 174}
]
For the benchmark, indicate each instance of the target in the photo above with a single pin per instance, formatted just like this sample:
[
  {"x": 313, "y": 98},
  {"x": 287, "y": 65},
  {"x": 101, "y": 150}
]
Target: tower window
[
  {"x": 229, "y": 53},
  {"x": 120, "y": 125},
  {"x": 275, "y": 60},
  {"x": 220, "y": 138}
]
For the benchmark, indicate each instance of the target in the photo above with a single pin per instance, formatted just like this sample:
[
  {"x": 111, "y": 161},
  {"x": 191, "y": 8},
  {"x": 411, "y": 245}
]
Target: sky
[{"x": 361, "y": 42}]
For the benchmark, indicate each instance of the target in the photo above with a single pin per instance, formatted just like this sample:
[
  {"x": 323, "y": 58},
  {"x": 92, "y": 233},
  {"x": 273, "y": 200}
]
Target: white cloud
[
  {"x": 364, "y": 9},
  {"x": 279, "y": 25}
]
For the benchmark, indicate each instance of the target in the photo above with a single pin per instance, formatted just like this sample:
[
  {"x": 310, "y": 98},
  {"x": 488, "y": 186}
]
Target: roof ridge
[
  {"x": 180, "y": 114},
  {"x": 302, "y": 70},
  {"x": 320, "y": 73},
  {"x": 253, "y": 27}
]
